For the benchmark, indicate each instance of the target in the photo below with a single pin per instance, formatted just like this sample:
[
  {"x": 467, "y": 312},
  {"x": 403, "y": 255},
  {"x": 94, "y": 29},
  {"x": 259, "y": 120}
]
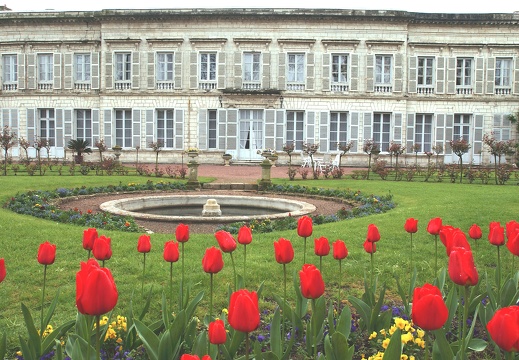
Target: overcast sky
[{"x": 431, "y": 6}]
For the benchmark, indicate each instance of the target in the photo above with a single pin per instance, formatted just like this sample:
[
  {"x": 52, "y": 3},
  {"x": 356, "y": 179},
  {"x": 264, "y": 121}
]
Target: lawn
[{"x": 459, "y": 205}]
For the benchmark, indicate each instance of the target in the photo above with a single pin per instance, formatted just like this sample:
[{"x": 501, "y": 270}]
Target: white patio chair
[
  {"x": 305, "y": 160},
  {"x": 335, "y": 162}
]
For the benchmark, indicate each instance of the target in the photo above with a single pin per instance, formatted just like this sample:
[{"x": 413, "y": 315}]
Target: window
[
  {"x": 423, "y": 132},
  {"x": 503, "y": 78},
  {"x": 464, "y": 72},
  {"x": 251, "y": 70},
  {"x": 338, "y": 129},
  {"x": 383, "y": 69},
  {"x": 45, "y": 68},
  {"x": 382, "y": 130},
  {"x": 208, "y": 67},
  {"x": 166, "y": 127},
  {"x": 425, "y": 71},
  {"x": 502, "y": 127},
  {"x": 123, "y": 67},
  {"x": 212, "y": 129},
  {"x": 295, "y": 128},
  {"x": 296, "y": 68},
  {"x": 123, "y": 128},
  {"x": 47, "y": 126},
  {"x": 165, "y": 62},
  {"x": 462, "y": 127},
  {"x": 84, "y": 125},
  {"x": 82, "y": 68},
  {"x": 10, "y": 71},
  {"x": 340, "y": 68}
]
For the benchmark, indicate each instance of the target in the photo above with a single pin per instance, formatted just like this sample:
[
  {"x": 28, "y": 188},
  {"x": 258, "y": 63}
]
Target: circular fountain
[{"x": 218, "y": 208}]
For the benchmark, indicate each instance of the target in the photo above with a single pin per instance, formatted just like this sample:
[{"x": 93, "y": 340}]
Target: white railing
[
  {"x": 503, "y": 91},
  {"x": 251, "y": 85},
  {"x": 82, "y": 86},
  {"x": 340, "y": 87},
  {"x": 123, "y": 85},
  {"x": 10, "y": 87},
  {"x": 464, "y": 90},
  {"x": 45, "y": 86},
  {"x": 296, "y": 87},
  {"x": 165, "y": 85},
  {"x": 425, "y": 90},
  {"x": 207, "y": 85},
  {"x": 383, "y": 88}
]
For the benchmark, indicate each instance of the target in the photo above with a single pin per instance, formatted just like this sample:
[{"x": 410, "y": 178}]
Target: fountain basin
[{"x": 188, "y": 208}]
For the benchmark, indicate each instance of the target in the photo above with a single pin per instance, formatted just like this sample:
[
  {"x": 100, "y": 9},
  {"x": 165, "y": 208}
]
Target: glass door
[
  {"x": 462, "y": 131},
  {"x": 251, "y": 135}
]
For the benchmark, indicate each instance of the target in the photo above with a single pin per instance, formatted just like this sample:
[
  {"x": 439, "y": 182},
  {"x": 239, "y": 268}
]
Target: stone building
[{"x": 239, "y": 80}]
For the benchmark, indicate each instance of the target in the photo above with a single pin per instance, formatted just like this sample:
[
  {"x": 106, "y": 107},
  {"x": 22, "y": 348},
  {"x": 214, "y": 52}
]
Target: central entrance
[{"x": 251, "y": 135}]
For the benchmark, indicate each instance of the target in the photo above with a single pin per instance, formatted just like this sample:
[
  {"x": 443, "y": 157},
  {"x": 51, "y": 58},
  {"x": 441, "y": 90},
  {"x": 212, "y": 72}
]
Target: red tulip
[
  {"x": 144, "y": 244},
  {"x": 225, "y": 241},
  {"x": 2, "y": 270},
  {"x": 321, "y": 246},
  {"x": 504, "y": 328},
  {"x": 96, "y": 293},
  {"x": 217, "y": 333},
  {"x": 89, "y": 236},
  {"x": 312, "y": 284},
  {"x": 304, "y": 226},
  {"x": 339, "y": 250},
  {"x": 189, "y": 357},
  {"x": 446, "y": 232},
  {"x": 496, "y": 236},
  {"x": 411, "y": 225},
  {"x": 513, "y": 245},
  {"x": 102, "y": 248},
  {"x": 244, "y": 313},
  {"x": 373, "y": 234},
  {"x": 475, "y": 232},
  {"x": 46, "y": 253},
  {"x": 434, "y": 226},
  {"x": 182, "y": 233},
  {"x": 171, "y": 251},
  {"x": 212, "y": 262},
  {"x": 283, "y": 251},
  {"x": 370, "y": 247},
  {"x": 245, "y": 235},
  {"x": 512, "y": 228},
  {"x": 456, "y": 239},
  {"x": 462, "y": 270},
  {"x": 429, "y": 310}
]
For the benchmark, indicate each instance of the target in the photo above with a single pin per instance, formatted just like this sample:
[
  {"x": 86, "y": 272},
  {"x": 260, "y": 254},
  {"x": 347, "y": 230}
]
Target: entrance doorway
[{"x": 251, "y": 135}]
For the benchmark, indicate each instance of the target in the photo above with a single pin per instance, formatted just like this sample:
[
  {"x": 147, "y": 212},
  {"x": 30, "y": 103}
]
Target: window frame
[
  {"x": 296, "y": 69},
  {"x": 47, "y": 125},
  {"x": 212, "y": 128},
  {"x": 295, "y": 128},
  {"x": 10, "y": 70},
  {"x": 422, "y": 79},
  {"x": 45, "y": 68},
  {"x": 464, "y": 65},
  {"x": 163, "y": 132},
  {"x": 383, "y": 137},
  {"x": 82, "y": 69},
  {"x": 123, "y": 67},
  {"x": 210, "y": 75},
  {"x": 340, "y": 134},
  {"x": 425, "y": 120},
  {"x": 250, "y": 64},
  {"x": 383, "y": 71},
  {"x": 343, "y": 77},
  {"x": 85, "y": 130},
  {"x": 165, "y": 68},
  {"x": 504, "y": 73},
  {"x": 124, "y": 133}
]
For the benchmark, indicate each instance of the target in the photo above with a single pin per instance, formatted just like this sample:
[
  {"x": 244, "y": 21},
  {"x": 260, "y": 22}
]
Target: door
[
  {"x": 251, "y": 135},
  {"x": 462, "y": 130}
]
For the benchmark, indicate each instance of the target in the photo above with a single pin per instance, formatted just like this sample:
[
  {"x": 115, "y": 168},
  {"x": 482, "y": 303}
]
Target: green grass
[{"x": 459, "y": 205}]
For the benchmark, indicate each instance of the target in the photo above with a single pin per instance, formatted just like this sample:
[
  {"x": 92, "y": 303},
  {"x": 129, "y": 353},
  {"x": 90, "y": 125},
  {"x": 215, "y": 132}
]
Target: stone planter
[{"x": 227, "y": 158}]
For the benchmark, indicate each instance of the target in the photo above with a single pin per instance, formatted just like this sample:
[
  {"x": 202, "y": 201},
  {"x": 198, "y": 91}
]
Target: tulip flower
[
  {"x": 244, "y": 238},
  {"x": 102, "y": 249},
  {"x": 496, "y": 237},
  {"x": 321, "y": 248},
  {"x": 182, "y": 236},
  {"x": 304, "y": 230},
  {"x": 46, "y": 256},
  {"x": 228, "y": 245},
  {"x": 411, "y": 226},
  {"x": 456, "y": 238},
  {"x": 312, "y": 284},
  {"x": 340, "y": 252},
  {"x": 512, "y": 228},
  {"x": 2, "y": 270},
  {"x": 212, "y": 263},
  {"x": 244, "y": 314},
  {"x": 171, "y": 255},
  {"x": 475, "y": 232},
  {"x": 144, "y": 247},
  {"x": 89, "y": 236},
  {"x": 513, "y": 245},
  {"x": 433, "y": 227},
  {"x": 194, "y": 357},
  {"x": 504, "y": 328},
  {"x": 217, "y": 333},
  {"x": 373, "y": 234}
]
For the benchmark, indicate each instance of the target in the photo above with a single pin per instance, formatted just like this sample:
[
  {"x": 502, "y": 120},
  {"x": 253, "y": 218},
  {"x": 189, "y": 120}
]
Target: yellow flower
[
  {"x": 400, "y": 323},
  {"x": 373, "y": 335},
  {"x": 421, "y": 333},
  {"x": 420, "y": 342},
  {"x": 385, "y": 343},
  {"x": 404, "y": 357},
  {"x": 392, "y": 330},
  {"x": 406, "y": 338},
  {"x": 225, "y": 311},
  {"x": 110, "y": 334},
  {"x": 383, "y": 332}
]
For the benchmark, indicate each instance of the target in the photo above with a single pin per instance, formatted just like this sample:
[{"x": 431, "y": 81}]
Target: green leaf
[
  {"x": 477, "y": 344},
  {"x": 166, "y": 315},
  {"x": 50, "y": 340},
  {"x": 50, "y": 311},
  {"x": 344, "y": 322},
  {"x": 373, "y": 324},
  {"x": 149, "y": 339},
  {"x": 165, "y": 349},
  {"x": 3, "y": 346},
  {"x": 339, "y": 346},
  {"x": 331, "y": 322},
  {"x": 34, "y": 337},
  {"x": 317, "y": 320},
  {"x": 191, "y": 307},
  {"x": 362, "y": 309},
  {"x": 394, "y": 349},
  {"x": 452, "y": 305},
  {"x": 301, "y": 302},
  {"x": 441, "y": 347},
  {"x": 328, "y": 348},
  {"x": 236, "y": 340},
  {"x": 146, "y": 305},
  {"x": 509, "y": 293},
  {"x": 275, "y": 337},
  {"x": 58, "y": 352},
  {"x": 269, "y": 355},
  {"x": 28, "y": 352}
]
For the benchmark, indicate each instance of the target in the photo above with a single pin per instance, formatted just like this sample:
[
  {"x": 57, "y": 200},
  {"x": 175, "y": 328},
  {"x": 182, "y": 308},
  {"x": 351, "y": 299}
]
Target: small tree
[
  {"x": 289, "y": 149},
  {"x": 460, "y": 147},
  {"x": 39, "y": 144},
  {"x": 416, "y": 149},
  {"x": 370, "y": 148},
  {"x": 498, "y": 149},
  {"x": 396, "y": 150},
  {"x": 344, "y": 148},
  {"x": 101, "y": 148},
  {"x": 7, "y": 141},
  {"x": 438, "y": 149},
  {"x": 310, "y": 150},
  {"x": 79, "y": 147},
  {"x": 25, "y": 145},
  {"x": 157, "y": 147}
]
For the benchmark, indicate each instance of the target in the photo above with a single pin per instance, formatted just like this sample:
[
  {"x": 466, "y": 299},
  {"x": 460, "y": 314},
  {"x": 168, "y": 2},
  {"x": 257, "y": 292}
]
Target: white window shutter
[
  {"x": 282, "y": 58},
  {"x": 265, "y": 58},
  {"x": 370, "y": 73},
  {"x": 441, "y": 63},
  {"x": 57, "y": 71},
  {"x": 136, "y": 128},
  {"x": 479, "y": 76},
  {"x": 398, "y": 82},
  {"x": 21, "y": 71},
  {"x": 202, "y": 129},
  {"x": 108, "y": 127},
  {"x": 179, "y": 129},
  {"x": 310, "y": 71},
  {"x": 324, "y": 128},
  {"x": 136, "y": 70},
  {"x": 94, "y": 69},
  {"x": 412, "y": 81},
  {"x": 491, "y": 75},
  {"x": 68, "y": 73},
  {"x": 109, "y": 70}
]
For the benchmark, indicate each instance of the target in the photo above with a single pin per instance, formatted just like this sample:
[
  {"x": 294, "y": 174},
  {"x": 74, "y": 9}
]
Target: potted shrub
[{"x": 79, "y": 147}]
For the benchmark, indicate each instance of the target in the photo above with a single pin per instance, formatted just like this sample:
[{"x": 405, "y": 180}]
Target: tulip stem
[
  {"x": 466, "y": 306},
  {"x": 411, "y": 269},
  {"x": 211, "y": 298},
  {"x": 314, "y": 336},
  {"x": 89, "y": 251},
  {"x": 340, "y": 278},
  {"x": 372, "y": 269},
  {"x": 143, "y": 273},
  {"x": 427, "y": 337},
  {"x": 436, "y": 255},
  {"x": 247, "y": 346},
  {"x": 182, "y": 282},
  {"x": 234, "y": 268},
  {"x": 171, "y": 285},
  {"x": 320, "y": 263},
  {"x": 498, "y": 277},
  {"x": 244, "y": 262},
  {"x": 304, "y": 252},
  {"x": 284, "y": 303},
  {"x": 42, "y": 330},
  {"x": 98, "y": 335}
]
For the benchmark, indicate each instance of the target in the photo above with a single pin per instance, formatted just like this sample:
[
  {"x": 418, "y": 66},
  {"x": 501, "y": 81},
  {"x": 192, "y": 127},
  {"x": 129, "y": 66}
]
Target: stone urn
[
  {"x": 192, "y": 154},
  {"x": 273, "y": 158},
  {"x": 227, "y": 158}
]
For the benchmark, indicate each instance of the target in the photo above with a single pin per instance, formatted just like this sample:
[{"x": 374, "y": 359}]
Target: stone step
[{"x": 229, "y": 186}]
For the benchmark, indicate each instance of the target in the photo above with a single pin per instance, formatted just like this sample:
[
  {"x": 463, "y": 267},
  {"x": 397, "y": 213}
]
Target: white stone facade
[{"x": 235, "y": 81}]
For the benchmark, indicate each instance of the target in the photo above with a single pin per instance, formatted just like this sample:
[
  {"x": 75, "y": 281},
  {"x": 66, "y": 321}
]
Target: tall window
[
  {"x": 165, "y": 69},
  {"x": 340, "y": 68},
  {"x": 464, "y": 72},
  {"x": 82, "y": 67},
  {"x": 123, "y": 67},
  {"x": 10, "y": 69},
  {"x": 212, "y": 129},
  {"x": 296, "y": 68},
  {"x": 462, "y": 127},
  {"x": 207, "y": 66},
  {"x": 84, "y": 124},
  {"x": 45, "y": 68},
  {"x": 295, "y": 128},
  {"x": 503, "y": 73},
  {"x": 502, "y": 127},
  {"x": 166, "y": 127},
  {"x": 251, "y": 67},
  {"x": 48, "y": 126},
  {"x": 425, "y": 71},
  {"x": 123, "y": 128},
  {"x": 382, "y": 130},
  {"x": 338, "y": 129},
  {"x": 383, "y": 69},
  {"x": 423, "y": 132}
]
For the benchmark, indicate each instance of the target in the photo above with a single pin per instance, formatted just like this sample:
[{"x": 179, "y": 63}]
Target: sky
[{"x": 427, "y": 6}]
